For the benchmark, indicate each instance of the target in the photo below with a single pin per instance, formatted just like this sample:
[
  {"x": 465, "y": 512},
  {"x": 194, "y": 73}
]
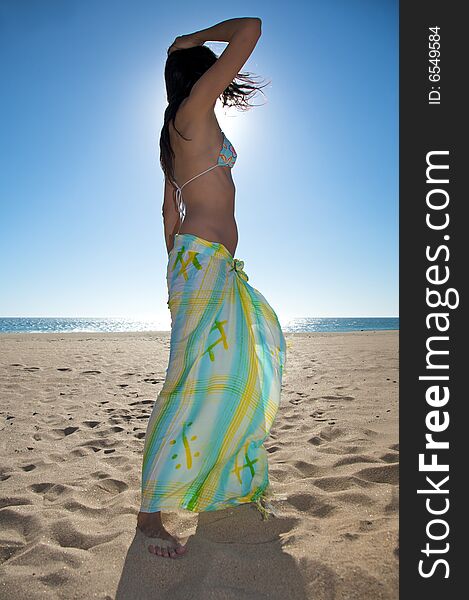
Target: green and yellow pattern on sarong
[{"x": 204, "y": 441}]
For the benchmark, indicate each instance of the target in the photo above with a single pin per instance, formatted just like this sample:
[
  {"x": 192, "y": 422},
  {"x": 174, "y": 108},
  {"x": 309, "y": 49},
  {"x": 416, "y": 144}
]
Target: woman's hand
[{"x": 185, "y": 41}]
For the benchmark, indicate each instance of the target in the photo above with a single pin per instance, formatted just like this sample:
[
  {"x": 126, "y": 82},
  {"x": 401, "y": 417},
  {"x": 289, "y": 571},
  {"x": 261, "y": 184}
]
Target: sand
[{"x": 74, "y": 409}]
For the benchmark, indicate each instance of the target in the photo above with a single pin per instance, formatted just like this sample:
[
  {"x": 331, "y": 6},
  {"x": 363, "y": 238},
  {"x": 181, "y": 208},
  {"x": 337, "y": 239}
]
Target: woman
[{"x": 204, "y": 441}]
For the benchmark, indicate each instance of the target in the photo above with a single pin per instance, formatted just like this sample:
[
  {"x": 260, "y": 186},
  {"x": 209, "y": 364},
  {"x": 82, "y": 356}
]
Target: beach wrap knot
[{"x": 237, "y": 266}]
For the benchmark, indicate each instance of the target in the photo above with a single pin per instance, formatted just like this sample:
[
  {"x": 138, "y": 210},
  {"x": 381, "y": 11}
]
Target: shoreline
[{"x": 168, "y": 331}]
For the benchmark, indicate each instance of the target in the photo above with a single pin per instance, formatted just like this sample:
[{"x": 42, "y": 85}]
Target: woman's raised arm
[{"x": 242, "y": 35}]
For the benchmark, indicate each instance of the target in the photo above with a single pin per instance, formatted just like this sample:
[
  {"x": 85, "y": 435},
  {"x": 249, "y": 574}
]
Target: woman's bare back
[{"x": 210, "y": 198}]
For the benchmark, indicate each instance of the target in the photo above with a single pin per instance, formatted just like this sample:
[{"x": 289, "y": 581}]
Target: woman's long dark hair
[{"x": 183, "y": 68}]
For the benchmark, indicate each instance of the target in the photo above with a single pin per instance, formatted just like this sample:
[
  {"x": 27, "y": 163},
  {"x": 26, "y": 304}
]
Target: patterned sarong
[{"x": 204, "y": 441}]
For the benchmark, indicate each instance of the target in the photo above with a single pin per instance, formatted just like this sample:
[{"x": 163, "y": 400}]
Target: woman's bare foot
[{"x": 165, "y": 544}]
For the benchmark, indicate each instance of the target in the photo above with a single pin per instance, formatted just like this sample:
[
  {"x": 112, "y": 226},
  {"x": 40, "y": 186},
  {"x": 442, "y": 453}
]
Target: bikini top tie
[{"x": 226, "y": 158}]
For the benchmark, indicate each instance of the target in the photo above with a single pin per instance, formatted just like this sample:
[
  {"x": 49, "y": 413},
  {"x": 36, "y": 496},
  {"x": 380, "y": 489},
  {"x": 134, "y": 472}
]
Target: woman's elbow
[{"x": 255, "y": 23}]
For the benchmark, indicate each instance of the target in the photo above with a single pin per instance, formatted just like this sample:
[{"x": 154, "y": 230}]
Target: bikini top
[{"x": 226, "y": 158}]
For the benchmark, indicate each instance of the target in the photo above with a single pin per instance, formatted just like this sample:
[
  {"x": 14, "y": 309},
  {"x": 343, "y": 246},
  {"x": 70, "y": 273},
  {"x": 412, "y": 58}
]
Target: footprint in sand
[
  {"x": 4, "y": 475},
  {"x": 393, "y": 505},
  {"x": 19, "y": 529},
  {"x": 28, "y": 467},
  {"x": 67, "y": 535},
  {"x": 79, "y": 453},
  {"x": 303, "y": 502},
  {"x": 307, "y": 469},
  {"x": 141, "y": 402},
  {"x": 106, "y": 432},
  {"x": 331, "y": 433},
  {"x": 355, "y": 458},
  {"x": 390, "y": 457},
  {"x": 384, "y": 474},
  {"x": 60, "y": 433},
  {"x": 350, "y": 536},
  {"x": 152, "y": 380},
  {"x": 318, "y": 415},
  {"x": 15, "y": 501},
  {"x": 126, "y": 418},
  {"x": 111, "y": 486},
  {"x": 337, "y": 484},
  {"x": 98, "y": 444},
  {"x": 100, "y": 474}
]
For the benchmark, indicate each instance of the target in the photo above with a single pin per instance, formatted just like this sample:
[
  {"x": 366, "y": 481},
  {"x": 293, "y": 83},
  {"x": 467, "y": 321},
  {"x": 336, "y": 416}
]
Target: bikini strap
[
  {"x": 195, "y": 176},
  {"x": 179, "y": 200},
  {"x": 180, "y": 206}
]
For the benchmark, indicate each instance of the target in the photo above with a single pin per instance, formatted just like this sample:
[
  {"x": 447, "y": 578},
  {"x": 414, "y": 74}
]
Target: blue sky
[{"x": 81, "y": 189}]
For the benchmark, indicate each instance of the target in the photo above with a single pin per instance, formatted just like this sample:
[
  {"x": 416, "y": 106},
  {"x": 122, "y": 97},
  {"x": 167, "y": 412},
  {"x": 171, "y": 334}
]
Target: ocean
[{"x": 114, "y": 324}]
